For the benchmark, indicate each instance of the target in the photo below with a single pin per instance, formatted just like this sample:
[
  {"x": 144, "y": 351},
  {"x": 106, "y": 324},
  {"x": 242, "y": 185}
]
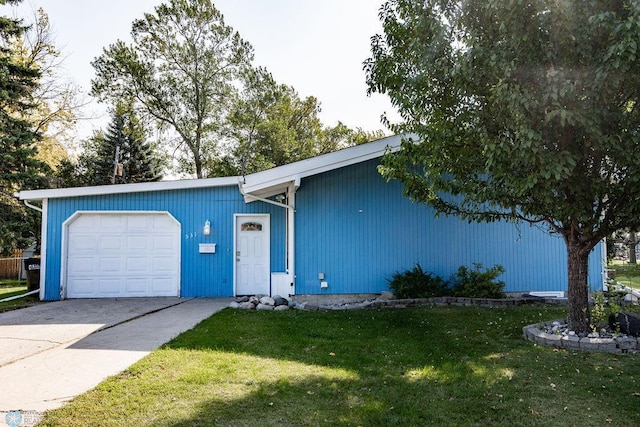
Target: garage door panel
[
  {"x": 82, "y": 242},
  {"x": 109, "y": 286},
  {"x": 112, "y": 223},
  {"x": 111, "y": 242},
  {"x": 110, "y": 266},
  {"x": 83, "y": 288},
  {"x": 138, "y": 242},
  {"x": 122, "y": 255},
  {"x": 165, "y": 242},
  {"x": 161, "y": 286},
  {"x": 137, "y": 265},
  {"x": 83, "y": 265},
  {"x": 137, "y": 285},
  {"x": 138, "y": 223}
]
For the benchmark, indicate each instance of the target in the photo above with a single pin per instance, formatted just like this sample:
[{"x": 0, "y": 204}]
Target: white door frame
[
  {"x": 236, "y": 219},
  {"x": 77, "y": 214}
]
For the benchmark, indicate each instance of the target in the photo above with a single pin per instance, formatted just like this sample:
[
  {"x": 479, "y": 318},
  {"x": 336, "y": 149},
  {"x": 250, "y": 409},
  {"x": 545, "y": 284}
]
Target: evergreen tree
[
  {"x": 19, "y": 170},
  {"x": 125, "y": 134}
]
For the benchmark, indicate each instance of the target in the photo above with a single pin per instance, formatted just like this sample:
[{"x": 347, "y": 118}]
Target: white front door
[{"x": 252, "y": 254}]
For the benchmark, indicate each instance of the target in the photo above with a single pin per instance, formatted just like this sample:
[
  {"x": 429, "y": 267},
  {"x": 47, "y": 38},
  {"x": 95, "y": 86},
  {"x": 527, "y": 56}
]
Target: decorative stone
[
  {"x": 243, "y": 299},
  {"x": 247, "y": 306},
  {"x": 627, "y": 343},
  {"x": 267, "y": 301},
  {"x": 570, "y": 341},
  {"x": 254, "y": 300},
  {"x": 279, "y": 301},
  {"x": 281, "y": 308},
  {"x": 234, "y": 304},
  {"x": 264, "y": 307}
]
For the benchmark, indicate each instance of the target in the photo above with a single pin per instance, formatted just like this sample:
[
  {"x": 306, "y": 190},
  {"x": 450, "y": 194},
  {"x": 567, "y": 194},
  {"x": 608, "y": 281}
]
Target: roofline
[
  {"x": 324, "y": 163},
  {"x": 250, "y": 183},
  {"x": 140, "y": 187}
]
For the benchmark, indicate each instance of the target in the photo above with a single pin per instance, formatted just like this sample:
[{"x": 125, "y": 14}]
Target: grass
[
  {"x": 12, "y": 287},
  {"x": 627, "y": 274},
  {"x": 408, "y": 367}
]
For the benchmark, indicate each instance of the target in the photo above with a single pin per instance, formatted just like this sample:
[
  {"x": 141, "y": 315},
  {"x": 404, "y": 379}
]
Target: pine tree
[
  {"x": 19, "y": 170},
  {"x": 126, "y": 135},
  {"x": 140, "y": 160}
]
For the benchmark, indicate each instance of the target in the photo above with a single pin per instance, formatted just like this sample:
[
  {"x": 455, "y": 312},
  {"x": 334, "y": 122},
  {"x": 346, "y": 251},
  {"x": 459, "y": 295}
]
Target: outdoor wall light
[{"x": 207, "y": 228}]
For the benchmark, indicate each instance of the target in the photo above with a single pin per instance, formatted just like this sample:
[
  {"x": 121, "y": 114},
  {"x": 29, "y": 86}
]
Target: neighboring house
[{"x": 326, "y": 225}]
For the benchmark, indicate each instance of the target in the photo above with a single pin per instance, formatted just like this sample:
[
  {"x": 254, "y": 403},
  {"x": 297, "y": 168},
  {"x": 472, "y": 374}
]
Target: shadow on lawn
[{"x": 406, "y": 367}]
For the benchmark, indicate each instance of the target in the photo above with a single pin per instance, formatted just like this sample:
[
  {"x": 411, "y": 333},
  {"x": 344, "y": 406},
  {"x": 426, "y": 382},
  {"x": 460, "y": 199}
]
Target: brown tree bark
[{"x": 578, "y": 289}]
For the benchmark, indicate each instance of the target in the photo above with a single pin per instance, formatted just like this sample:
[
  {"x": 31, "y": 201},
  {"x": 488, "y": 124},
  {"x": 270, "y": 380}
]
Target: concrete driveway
[{"x": 54, "y": 351}]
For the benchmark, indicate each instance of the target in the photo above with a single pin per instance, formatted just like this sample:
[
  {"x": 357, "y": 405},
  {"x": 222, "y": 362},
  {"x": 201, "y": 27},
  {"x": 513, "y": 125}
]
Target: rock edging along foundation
[{"x": 620, "y": 344}]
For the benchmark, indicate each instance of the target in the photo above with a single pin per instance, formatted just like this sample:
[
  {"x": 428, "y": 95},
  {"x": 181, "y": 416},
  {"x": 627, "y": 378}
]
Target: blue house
[{"x": 326, "y": 225}]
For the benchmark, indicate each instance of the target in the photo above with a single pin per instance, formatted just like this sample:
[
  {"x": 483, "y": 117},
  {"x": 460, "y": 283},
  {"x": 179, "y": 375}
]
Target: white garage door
[{"x": 122, "y": 255}]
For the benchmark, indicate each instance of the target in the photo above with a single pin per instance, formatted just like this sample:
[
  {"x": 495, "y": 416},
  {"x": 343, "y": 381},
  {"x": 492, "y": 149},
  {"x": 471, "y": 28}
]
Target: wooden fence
[{"x": 12, "y": 267}]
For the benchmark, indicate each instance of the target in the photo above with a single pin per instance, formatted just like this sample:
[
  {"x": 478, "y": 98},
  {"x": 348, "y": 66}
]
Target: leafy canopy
[
  {"x": 181, "y": 69},
  {"x": 519, "y": 110}
]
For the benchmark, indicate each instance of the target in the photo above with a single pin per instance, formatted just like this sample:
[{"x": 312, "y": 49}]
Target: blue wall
[
  {"x": 351, "y": 225},
  {"x": 204, "y": 275},
  {"x": 358, "y": 230}
]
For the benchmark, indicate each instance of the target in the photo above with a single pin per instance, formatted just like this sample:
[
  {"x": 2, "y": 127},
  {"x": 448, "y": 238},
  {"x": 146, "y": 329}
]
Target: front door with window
[{"x": 252, "y": 256}]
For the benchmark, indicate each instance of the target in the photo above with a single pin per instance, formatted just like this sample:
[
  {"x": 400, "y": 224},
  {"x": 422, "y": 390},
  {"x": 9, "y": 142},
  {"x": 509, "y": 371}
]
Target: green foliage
[
  {"x": 603, "y": 306},
  {"x": 518, "y": 110},
  {"x": 270, "y": 125},
  {"x": 140, "y": 159},
  {"x": 19, "y": 168},
  {"x": 415, "y": 283},
  {"x": 478, "y": 283},
  {"x": 181, "y": 68}
]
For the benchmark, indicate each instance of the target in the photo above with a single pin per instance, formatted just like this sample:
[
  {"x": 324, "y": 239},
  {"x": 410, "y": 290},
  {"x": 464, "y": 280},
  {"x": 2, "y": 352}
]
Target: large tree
[
  {"x": 124, "y": 140},
  {"x": 521, "y": 111},
  {"x": 56, "y": 98},
  {"x": 181, "y": 69},
  {"x": 271, "y": 125},
  {"x": 19, "y": 169}
]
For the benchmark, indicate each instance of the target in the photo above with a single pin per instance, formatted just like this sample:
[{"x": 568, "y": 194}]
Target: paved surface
[{"x": 52, "y": 352}]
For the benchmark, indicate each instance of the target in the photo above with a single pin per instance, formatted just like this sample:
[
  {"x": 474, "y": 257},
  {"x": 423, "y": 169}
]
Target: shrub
[
  {"x": 416, "y": 283},
  {"x": 476, "y": 283}
]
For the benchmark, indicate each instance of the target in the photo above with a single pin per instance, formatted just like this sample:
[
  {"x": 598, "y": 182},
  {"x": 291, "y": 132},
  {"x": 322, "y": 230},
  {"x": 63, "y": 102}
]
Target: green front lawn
[
  {"x": 12, "y": 287},
  {"x": 392, "y": 367},
  {"x": 627, "y": 274}
]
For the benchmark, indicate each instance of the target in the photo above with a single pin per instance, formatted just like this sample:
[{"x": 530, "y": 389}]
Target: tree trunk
[
  {"x": 632, "y": 247},
  {"x": 578, "y": 262}
]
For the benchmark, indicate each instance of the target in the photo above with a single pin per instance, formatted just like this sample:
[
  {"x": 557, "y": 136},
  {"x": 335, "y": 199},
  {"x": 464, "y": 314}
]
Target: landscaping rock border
[
  {"x": 617, "y": 345},
  {"x": 385, "y": 301}
]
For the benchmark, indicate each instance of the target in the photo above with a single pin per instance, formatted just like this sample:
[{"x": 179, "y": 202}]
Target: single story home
[{"x": 326, "y": 225}]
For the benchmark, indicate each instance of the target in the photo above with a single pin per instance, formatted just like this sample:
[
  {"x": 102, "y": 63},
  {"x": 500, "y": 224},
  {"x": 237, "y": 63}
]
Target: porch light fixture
[{"x": 207, "y": 228}]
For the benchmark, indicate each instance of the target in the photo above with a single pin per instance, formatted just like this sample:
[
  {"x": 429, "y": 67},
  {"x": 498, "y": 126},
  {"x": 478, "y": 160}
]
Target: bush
[
  {"x": 416, "y": 283},
  {"x": 477, "y": 283}
]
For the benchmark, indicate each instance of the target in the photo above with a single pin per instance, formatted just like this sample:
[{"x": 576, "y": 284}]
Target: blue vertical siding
[
  {"x": 358, "y": 230},
  {"x": 202, "y": 275},
  {"x": 351, "y": 225}
]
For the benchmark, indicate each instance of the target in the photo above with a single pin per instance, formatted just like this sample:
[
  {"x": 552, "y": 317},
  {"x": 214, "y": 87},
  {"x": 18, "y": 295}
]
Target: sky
[{"x": 316, "y": 46}]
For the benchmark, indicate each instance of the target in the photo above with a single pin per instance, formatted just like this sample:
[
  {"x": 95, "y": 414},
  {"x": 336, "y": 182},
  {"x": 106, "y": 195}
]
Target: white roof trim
[
  {"x": 127, "y": 188},
  {"x": 259, "y": 183}
]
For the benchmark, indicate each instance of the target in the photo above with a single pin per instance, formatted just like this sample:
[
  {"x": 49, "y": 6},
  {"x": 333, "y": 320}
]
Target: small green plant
[
  {"x": 478, "y": 283},
  {"x": 416, "y": 283},
  {"x": 602, "y": 308}
]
